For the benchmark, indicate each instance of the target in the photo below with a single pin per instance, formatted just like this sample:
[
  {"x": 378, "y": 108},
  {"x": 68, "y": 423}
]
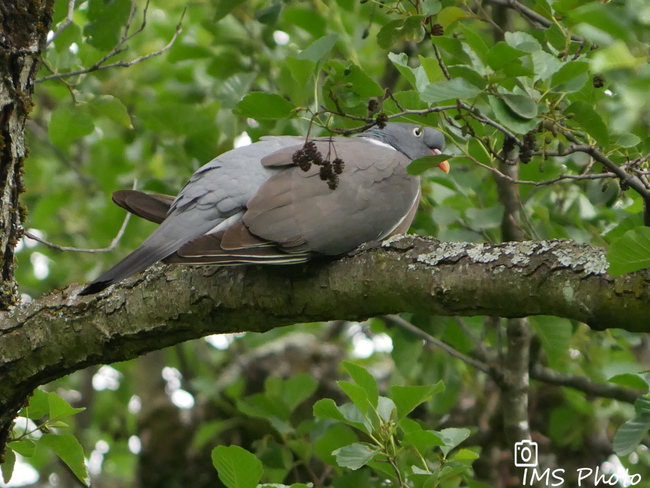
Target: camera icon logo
[{"x": 526, "y": 454}]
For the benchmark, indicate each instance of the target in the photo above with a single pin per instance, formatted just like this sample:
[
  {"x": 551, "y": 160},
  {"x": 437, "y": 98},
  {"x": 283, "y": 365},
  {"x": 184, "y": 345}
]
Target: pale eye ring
[{"x": 417, "y": 132}]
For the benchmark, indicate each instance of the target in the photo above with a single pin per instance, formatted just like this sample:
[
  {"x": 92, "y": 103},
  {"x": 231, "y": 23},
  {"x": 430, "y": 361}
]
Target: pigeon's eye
[{"x": 417, "y": 132}]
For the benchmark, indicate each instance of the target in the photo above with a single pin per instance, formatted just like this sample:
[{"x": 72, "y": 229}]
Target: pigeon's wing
[
  {"x": 151, "y": 206},
  {"x": 374, "y": 198},
  {"x": 214, "y": 198},
  {"x": 233, "y": 246}
]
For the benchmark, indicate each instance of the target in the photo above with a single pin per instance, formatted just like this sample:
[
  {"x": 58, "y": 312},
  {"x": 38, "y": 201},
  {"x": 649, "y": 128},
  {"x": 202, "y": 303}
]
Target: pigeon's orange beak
[{"x": 444, "y": 166}]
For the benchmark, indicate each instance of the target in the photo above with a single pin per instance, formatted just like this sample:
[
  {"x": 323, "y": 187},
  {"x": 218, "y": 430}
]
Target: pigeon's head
[{"x": 414, "y": 140}]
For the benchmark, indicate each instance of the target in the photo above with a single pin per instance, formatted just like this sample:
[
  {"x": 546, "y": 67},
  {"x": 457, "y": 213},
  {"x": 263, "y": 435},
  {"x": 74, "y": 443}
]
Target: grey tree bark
[
  {"x": 61, "y": 333},
  {"x": 23, "y": 30}
]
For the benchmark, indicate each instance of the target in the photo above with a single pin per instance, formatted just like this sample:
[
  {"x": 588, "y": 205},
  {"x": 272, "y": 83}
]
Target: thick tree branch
[{"x": 61, "y": 333}]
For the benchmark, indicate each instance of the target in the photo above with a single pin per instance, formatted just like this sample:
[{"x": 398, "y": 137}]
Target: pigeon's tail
[
  {"x": 165, "y": 240},
  {"x": 139, "y": 260}
]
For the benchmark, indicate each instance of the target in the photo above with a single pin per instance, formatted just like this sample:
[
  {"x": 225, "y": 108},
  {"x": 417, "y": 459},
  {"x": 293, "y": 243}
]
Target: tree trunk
[
  {"x": 24, "y": 25},
  {"x": 23, "y": 31}
]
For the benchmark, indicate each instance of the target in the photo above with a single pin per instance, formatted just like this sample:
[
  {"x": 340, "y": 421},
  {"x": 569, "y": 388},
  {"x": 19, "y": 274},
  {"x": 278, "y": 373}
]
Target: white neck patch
[{"x": 379, "y": 143}]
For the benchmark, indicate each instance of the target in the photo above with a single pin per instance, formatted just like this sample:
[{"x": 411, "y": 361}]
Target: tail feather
[
  {"x": 165, "y": 240},
  {"x": 137, "y": 261}
]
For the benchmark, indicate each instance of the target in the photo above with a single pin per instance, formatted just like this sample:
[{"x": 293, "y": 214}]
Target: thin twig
[
  {"x": 478, "y": 344},
  {"x": 65, "y": 23},
  {"x": 405, "y": 324},
  {"x": 538, "y": 372},
  {"x": 112, "y": 246},
  {"x": 585, "y": 385},
  {"x": 99, "y": 65},
  {"x": 482, "y": 118},
  {"x": 114, "y": 242},
  {"x": 441, "y": 63},
  {"x": 531, "y": 14},
  {"x": 559, "y": 178}
]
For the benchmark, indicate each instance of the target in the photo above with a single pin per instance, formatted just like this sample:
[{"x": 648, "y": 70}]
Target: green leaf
[
  {"x": 469, "y": 75},
  {"x": 66, "y": 125},
  {"x": 386, "y": 409},
  {"x": 297, "y": 389},
  {"x": 406, "y": 398},
  {"x": 616, "y": 56},
  {"x": 67, "y": 447},
  {"x": 349, "y": 414},
  {"x": 432, "y": 69},
  {"x": 112, "y": 108},
  {"x": 502, "y": 54},
  {"x": 630, "y": 253},
  {"x": 357, "y": 394},
  {"x": 602, "y": 17},
  {"x": 430, "y": 7},
  {"x": 260, "y": 105},
  {"x": 309, "y": 20},
  {"x": 60, "y": 11},
  {"x": 237, "y": 468},
  {"x": 449, "y": 90},
  {"x": 24, "y": 448},
  {"x": 319, "y": 48},
  {"x": 107, "y": 20},
  {"x": 628, "y": 140},
  {"x": 568, "y": 72},
  {"x": 327, "y": 409},
  {"x": 523, "y": 42},
  {"x": 585, "y": 116},
  {"x": 363, "y": 85},
  {"x": 400, "y": 61},
  {"x": 485, "y": 218},
  {"x": 8, "y": 465},
  {"x": 224, "y": 7},
  {"x": 301, "y": 69},
  {"x": 516, "y": 69},
  {"x": 465, "y": 455},
  {"x": 507, "y": 117},
  {"x": 422, "y": 440},
  {"x": 545, "y": 64},
  {"x": 235, "y": 88},
  {"x": 629, "y": 379},
  {"x": 556, "y": 37},
  {"x": 413, "y": 30},
  {"x": 70, "y": 34},
  {"x": 389, "y": 33},
  {"x": 629, "y": 436},
  {"x": 420, "y": 165},
  {"x": 449, "y": 15},
  {"x": 642, "y": 405},
  {"x": 409, "y": 29},
  {"x": 354, "y": 418},
  {"x": 38, "y": 405},
  {"x": 364, "y": 379},
  {"x": 355, "y": 455},
  {"x": 521, "y": 105},
  {"x": 267, "y": 407},
  {"x": 452, "y": 437},
  {"x": 338, "y": 435},
  {"x": 476, "y": 42},
  {"x": 554, "y": 332},
  {"x": 268, "y": 15},
  {"x": 58, "y": 407}
]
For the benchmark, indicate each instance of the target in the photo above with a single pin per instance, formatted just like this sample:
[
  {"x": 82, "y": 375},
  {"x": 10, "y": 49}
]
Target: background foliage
[{"x": 527, "y": 83}]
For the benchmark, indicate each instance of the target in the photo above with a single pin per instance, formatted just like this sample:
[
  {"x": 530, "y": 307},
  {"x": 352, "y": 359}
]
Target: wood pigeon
[{"x": 283, "y": 201}]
